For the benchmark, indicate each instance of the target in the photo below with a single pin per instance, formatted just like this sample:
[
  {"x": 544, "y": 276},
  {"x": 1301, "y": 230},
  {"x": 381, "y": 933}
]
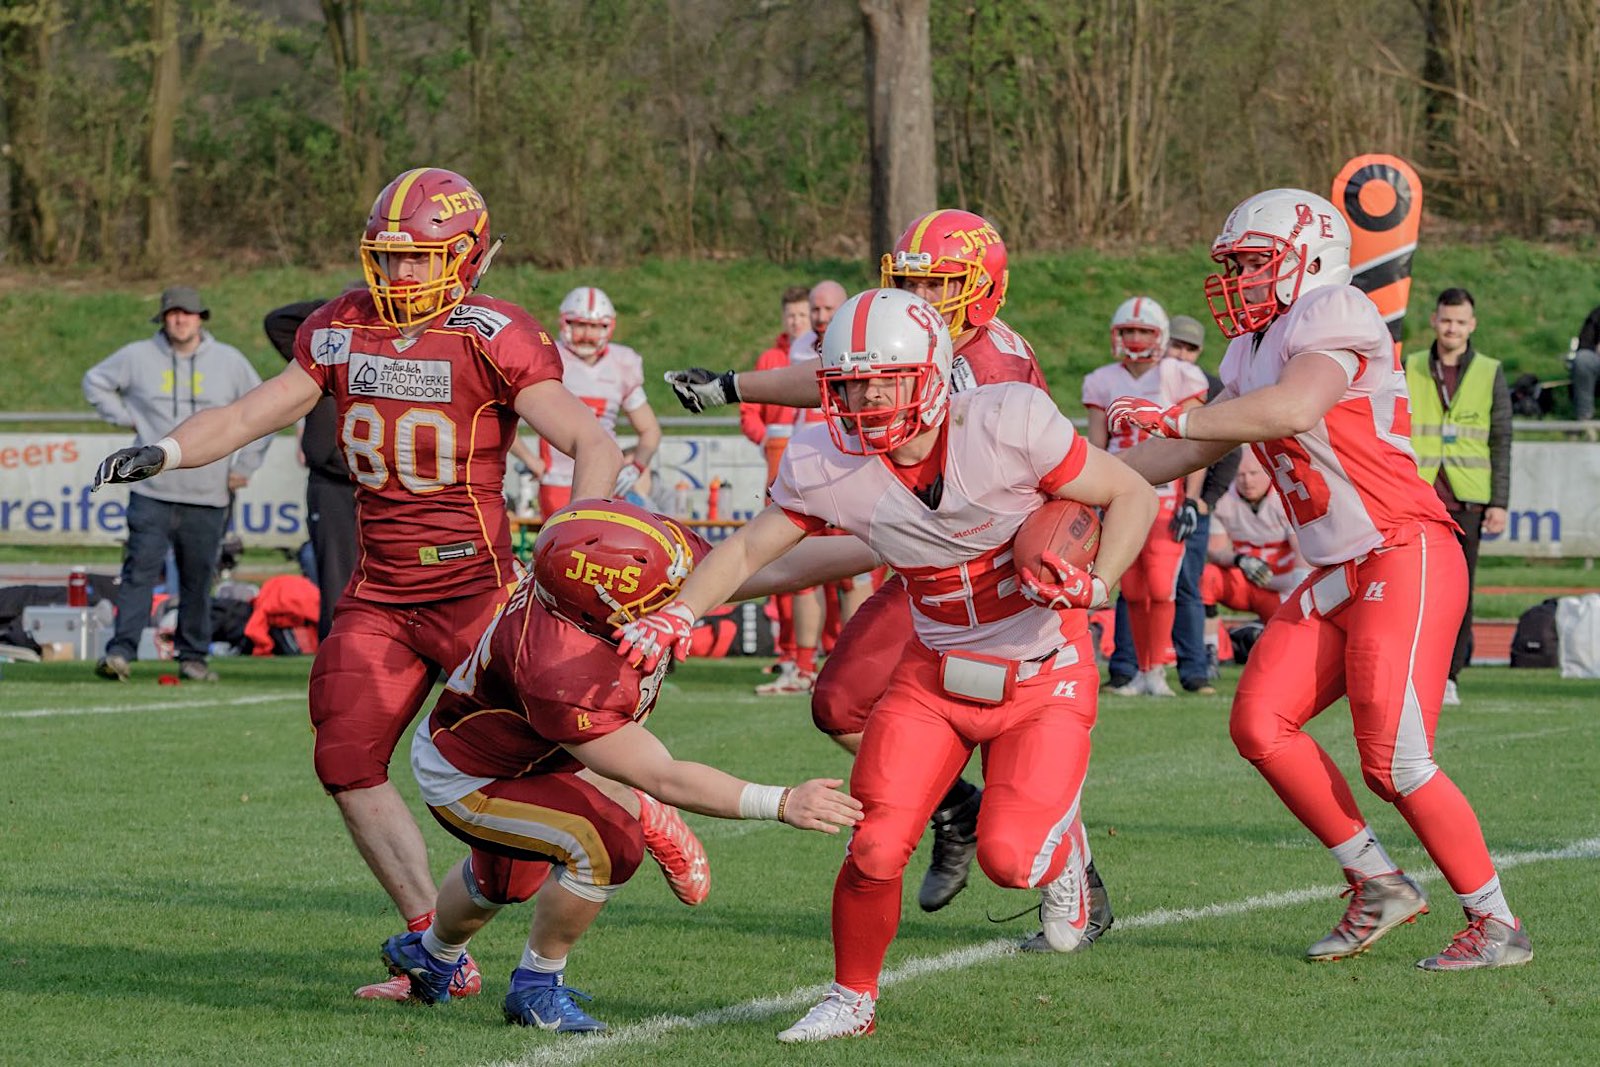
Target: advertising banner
[{"x": 45, "y": 495}]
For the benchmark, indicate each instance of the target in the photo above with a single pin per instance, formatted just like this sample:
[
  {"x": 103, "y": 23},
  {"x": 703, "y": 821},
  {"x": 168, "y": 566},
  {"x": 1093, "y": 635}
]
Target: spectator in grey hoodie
[{"x": 151, "y": 386}]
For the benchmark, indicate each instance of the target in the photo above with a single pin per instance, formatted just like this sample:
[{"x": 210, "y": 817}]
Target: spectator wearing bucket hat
[{"x": 150, "y": 386}]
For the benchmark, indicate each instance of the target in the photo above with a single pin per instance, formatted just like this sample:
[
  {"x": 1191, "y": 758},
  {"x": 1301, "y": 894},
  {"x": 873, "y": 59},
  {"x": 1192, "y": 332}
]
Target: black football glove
[
  {"x": 1185, "y": 521},
  {"x": 699, "y": 389},
  {"x": 130, "y": 465}
]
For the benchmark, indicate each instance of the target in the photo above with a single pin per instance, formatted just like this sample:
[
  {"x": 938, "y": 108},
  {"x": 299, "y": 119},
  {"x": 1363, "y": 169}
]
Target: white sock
[
  {"x": 438, "y": 949},
  {"x": 1489, "y": 900},
  {"x": 532, "y": 961},
  {"x": 1363, "y": 855}
]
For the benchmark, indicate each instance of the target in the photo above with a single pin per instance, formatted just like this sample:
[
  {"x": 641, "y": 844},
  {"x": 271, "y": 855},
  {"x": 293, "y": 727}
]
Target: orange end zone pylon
[{"x": 1380, "y": 197}]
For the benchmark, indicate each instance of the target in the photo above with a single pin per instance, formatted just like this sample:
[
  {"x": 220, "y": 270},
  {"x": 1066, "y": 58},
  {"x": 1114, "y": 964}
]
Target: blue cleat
[
  {"x": 430, "y": 978},
  {"x": 544, "y": 1001}
]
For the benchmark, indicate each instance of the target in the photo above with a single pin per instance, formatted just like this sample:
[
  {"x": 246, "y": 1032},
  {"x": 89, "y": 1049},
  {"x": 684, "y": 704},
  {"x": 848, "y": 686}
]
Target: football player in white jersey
[
  {"x": 1313, "y": 380},
  {"x": 609, "y": 378},
  {"x": 1139, "y": 333},
  {"x": 937, "y": 483},
  {"x": 1254, "y": 558}
]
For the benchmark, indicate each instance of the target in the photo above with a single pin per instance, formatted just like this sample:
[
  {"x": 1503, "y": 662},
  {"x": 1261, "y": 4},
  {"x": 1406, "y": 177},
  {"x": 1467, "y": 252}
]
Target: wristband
[
  {"x": 173, "y": 453},
  {"x": 762, "y": 801},
  {"x": 1183, "y": 424},
  {"x": 783, "y": 802}
]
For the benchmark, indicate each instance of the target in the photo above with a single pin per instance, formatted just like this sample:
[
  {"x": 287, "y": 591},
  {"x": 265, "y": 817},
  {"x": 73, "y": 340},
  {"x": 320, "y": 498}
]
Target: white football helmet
[
  {"x": 1308, "y": 244},
  {"x": 587, "y": 304},
  {"x": 884, "y": 333},
  {"x": 1139, "y": 313}
]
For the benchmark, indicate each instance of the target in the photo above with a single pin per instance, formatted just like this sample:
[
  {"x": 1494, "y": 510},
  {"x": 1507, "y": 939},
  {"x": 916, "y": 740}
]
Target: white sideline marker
[
  {"x": 167, "y": 705},
  {"x": 571, "y": 1051}
]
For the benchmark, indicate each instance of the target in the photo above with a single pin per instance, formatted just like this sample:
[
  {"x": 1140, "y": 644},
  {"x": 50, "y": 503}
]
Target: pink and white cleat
[{"x": 675, "y": 847}]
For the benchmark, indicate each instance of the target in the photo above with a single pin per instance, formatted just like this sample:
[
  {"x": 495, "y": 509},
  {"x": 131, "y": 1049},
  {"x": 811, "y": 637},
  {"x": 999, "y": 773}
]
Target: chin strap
[{"x": 488, "y": 259}]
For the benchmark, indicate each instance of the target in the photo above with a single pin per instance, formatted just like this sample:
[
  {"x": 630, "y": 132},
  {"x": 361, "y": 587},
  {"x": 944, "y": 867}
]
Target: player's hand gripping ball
[{"x": 1054, "y": 551}]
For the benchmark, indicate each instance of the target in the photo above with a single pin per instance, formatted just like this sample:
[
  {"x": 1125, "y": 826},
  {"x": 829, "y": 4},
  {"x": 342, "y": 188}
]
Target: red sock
[
  {"x": 1448, "y": 828},
  {"x": 806, "y": 659},
  {"x": 1158, "y": 631},
  {"x": 866, "y": 915},
  {"x": 420, "y": 922},
  {"x": 785, "y": 605}
]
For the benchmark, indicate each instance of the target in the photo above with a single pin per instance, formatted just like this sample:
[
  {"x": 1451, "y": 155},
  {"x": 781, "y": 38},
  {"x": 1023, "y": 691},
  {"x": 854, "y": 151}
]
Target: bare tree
[
  {"x": 349, "y": 46},
  {"x": 899, "y": 115},
  {"x": 166, "y": 95},
  {"x": 26, "y": 34}
]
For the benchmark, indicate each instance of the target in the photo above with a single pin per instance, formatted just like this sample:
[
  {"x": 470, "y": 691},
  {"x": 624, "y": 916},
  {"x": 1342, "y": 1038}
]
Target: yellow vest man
[{"x": 1461, "y": 431}]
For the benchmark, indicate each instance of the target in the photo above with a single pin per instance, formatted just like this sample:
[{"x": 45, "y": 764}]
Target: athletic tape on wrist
[
  {"x": 761, "y": 801},
  {"x": 173, "y": 453}
]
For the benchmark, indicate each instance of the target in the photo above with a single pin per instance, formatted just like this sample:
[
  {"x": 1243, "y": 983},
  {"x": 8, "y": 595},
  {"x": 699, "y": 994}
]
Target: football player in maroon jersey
[
  {"x": 502, "y": 758},
  {"x": 430, "y": 378}
]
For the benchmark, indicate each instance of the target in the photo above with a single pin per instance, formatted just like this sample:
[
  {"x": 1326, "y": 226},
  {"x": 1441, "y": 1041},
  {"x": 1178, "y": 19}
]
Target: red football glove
[
  {"x": 1128, "y": 412},
  {"x": 1077, "y": 588},
  {"x": 646, "y": 639}
]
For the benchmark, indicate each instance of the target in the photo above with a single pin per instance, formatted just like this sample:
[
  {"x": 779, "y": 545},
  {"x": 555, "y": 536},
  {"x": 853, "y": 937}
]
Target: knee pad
[
  {"x": 878, "y": 857},
  {"x": 834, "y": 711},
  {"x": 575, "y": 885}
]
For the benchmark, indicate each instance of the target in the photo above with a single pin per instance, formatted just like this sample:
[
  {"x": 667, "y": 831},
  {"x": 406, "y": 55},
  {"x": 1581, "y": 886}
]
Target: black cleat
[{"x": 955, "y": 843}]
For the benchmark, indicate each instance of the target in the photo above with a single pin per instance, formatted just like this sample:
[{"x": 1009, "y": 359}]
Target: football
[{"x": 1064, "y": 527}]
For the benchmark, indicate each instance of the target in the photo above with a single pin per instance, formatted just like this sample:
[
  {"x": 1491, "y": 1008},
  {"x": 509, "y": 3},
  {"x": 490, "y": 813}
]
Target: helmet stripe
[
  {"x": 858, "y": 324},
  {"x": 402, "y": 186},
  {"x": 617, "y": 517},
  {"x": 922, "y": 228}
]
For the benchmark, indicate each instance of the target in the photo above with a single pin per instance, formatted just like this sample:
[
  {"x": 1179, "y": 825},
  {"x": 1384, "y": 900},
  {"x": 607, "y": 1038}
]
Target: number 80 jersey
[{"x": 424, "y": 425}]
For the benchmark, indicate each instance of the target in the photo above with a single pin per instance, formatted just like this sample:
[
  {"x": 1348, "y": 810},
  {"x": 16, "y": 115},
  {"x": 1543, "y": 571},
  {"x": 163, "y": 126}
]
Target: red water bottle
[
  {"x": 712, "y": 493},
  {"x": 78, "y": 587}
]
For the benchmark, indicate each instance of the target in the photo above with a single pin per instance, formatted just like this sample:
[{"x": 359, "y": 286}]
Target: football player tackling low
[
  {"x": 937, "y": 483},
  {"x": 1313, "y": 380}
]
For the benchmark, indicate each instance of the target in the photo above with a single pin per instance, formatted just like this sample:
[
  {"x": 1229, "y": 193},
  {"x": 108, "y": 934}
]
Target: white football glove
[
  {"x": 627, "y": 478},
  {"x": 666, "y": 631},
  {"x": 1077, "y": 588}
]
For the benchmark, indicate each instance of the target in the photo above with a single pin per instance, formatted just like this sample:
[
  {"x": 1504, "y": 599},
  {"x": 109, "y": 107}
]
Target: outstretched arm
[
  {"x": 634, "y": 756},
  {"x": 700, "y": 390},
  {"x": 814, "y": 561}
]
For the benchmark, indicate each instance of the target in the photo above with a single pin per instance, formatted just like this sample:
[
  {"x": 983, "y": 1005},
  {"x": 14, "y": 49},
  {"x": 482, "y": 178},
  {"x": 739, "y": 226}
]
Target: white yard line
[
  {"x": 580, "y": 1050},
  {"x": 166, "y": 705}
]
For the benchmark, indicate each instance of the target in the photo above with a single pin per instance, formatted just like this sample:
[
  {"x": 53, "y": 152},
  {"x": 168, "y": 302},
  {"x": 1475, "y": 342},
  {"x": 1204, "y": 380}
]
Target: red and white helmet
[
  {"x": 1308, "y": 244},
  {"x": 885, "y": 333},
  {"x": 600, "y": 563},
  {"x": 1142, "y": 314},
  {"x": 433, "y": 212},
  {"x": 587, "y": 304},
  {"x": 959, "y": 245}
]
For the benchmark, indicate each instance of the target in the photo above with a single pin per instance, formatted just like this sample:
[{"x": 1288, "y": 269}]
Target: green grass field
[{"x": 175, "y": 889}]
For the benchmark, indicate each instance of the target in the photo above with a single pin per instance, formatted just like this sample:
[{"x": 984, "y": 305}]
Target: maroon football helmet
[
  {"x": 600, "y": 563},
  {"x": 426, "y": 245}
]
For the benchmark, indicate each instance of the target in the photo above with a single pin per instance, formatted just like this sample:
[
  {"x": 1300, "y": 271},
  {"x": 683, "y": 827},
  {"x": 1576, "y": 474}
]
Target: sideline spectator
[
  {"x": 1586, "y": 368},
  {"x": 330, "y": 494},
  {"x": 769, "y": 426},
  {"x": 1461, "y": 431},
  {"x": 152, "y": 386}
]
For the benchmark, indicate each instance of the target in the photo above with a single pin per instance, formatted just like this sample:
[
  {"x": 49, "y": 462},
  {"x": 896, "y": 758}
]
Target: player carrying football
[
  {"x": 955, "y": 260},
  {"x": 936, "y": 483},
  {"x": 1313, "y": 380}
]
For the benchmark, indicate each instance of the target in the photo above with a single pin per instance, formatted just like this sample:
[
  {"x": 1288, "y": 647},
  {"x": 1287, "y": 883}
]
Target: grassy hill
[{"x": 718, "y": 313}]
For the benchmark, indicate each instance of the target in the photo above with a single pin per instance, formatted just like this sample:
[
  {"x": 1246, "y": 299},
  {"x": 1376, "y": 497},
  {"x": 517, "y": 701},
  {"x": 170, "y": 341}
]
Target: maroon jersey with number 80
[{"x": 424, "y": 426}]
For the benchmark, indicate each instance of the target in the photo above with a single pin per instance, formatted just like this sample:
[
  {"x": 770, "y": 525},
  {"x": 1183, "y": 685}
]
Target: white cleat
[
  {"x": 842, "y": 1013},
  {"x": 1153, "y": 683},
  {"x": 1452, "y": 699},
  {"x": 1064, "y": 906}
]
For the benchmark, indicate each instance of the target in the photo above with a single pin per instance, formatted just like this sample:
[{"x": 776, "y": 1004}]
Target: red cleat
[
  {"x": 467, "y": 982},
  {"x": 673, "y": 845}
]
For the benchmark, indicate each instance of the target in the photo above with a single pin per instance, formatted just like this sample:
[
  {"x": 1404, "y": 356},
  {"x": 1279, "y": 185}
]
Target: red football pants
[
  {"x": 1388, "y": 649},
  {"x": 1229, "y": 587},
  {"x": 1035, "y": 754},
  {"x": 374, "y": 671},
  {"x": 869, "y": 648},
  {"x": 1150, "y": 584}
]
